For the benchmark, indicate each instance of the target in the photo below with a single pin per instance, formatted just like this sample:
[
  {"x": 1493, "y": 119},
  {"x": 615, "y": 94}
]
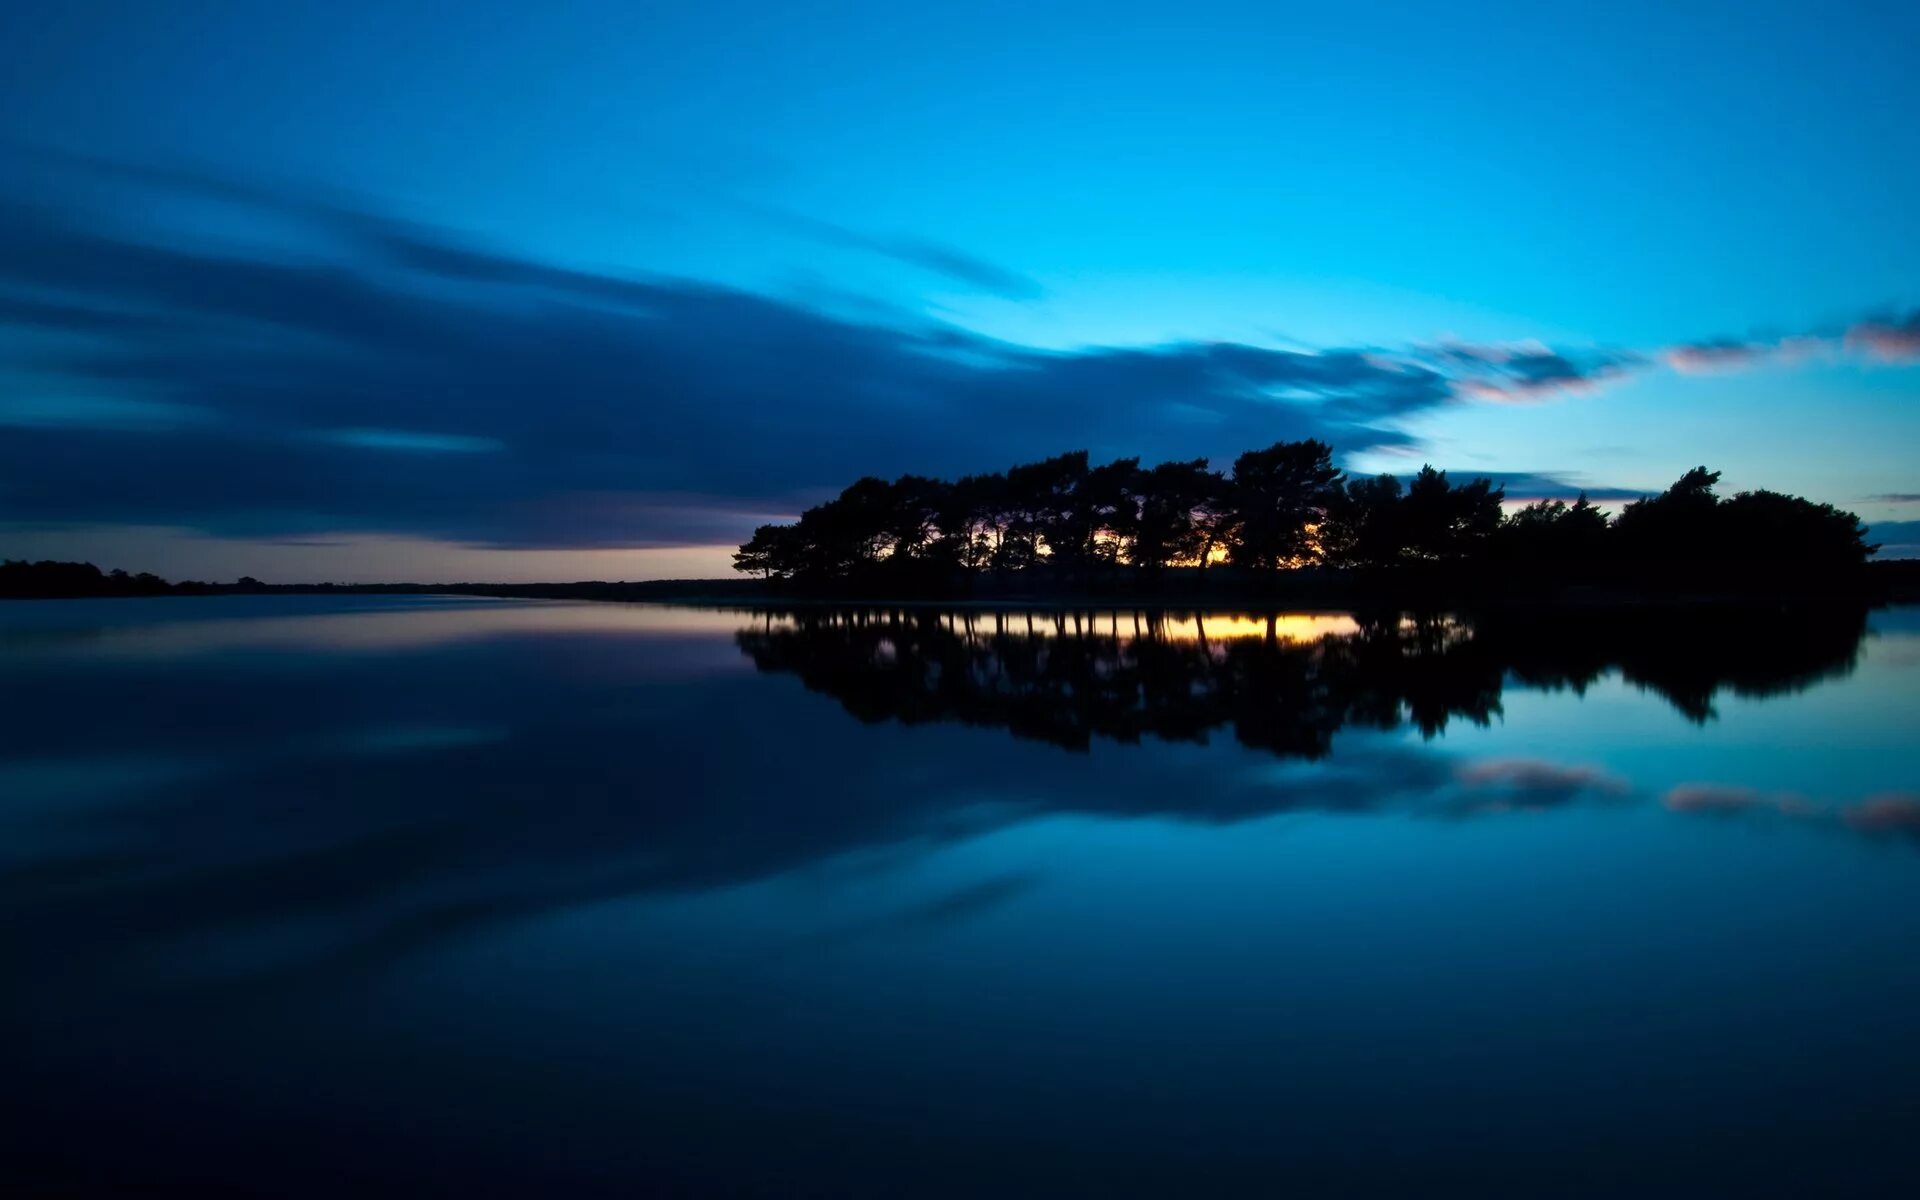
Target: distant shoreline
[{"x": 1895, "y": 581}]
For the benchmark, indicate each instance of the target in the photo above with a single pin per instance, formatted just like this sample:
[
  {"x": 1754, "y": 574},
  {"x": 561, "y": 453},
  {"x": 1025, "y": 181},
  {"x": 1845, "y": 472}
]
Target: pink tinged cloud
[
  {"x": 1884, "y": 814},
  {"x": 1711, "y": 798},
  {"x": 1887, "y": 812},
  {"x": 1510, "y": 392},
  {"x": 1891, "y": 341},
  {"x": 1522, "y": 373},
  {"x": 1536, "y": 391},
  {"x": 1533, "y": 772},
  {"x": 1707, "y": 358},
  {"x": 1724, "y": 798},
  {"x": 1506, "y": 784}
]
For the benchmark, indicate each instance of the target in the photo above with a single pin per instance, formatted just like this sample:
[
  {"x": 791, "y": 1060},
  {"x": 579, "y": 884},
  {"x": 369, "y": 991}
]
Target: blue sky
[{"x": 589, "y": 289}]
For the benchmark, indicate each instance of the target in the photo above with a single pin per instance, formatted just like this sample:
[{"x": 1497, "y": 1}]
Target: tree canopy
[{"x": 1283, "y": 507}]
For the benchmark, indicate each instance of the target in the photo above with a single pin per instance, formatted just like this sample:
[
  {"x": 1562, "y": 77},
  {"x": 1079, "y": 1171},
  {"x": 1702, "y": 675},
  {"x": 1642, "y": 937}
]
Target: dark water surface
[{"x": 339, "y": 895}]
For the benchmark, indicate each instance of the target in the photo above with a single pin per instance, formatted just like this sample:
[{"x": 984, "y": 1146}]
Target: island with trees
[
  {"x": 1286, "y": 521},
  {"x": 1283, "y": 526}
]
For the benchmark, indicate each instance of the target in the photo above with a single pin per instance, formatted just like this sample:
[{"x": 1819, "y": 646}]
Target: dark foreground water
[{"x": 459, "y": 897}]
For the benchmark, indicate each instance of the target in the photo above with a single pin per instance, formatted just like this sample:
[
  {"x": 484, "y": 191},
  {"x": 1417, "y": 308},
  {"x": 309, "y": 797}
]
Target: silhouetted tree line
[
  {"x": 20, "y": 580},
  {"x": 1284, "y": 507},
  {"x": 48, "y": 580},
  {"x": 1070, "y": 677}
]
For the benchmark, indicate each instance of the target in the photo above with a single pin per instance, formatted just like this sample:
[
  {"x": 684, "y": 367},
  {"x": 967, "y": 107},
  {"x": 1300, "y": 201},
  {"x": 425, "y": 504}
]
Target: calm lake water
[{"x": 305, "y": 895}]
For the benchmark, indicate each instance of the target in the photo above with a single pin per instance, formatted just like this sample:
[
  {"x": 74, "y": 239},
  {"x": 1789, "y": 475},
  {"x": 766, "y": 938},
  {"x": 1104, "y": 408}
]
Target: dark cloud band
[{"x": 368, "y": 373}]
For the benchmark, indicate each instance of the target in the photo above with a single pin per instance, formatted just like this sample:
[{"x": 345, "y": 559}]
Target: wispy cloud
[
  {"x": 374, "y": 374},
  {"x": 955, "y": 265},
  {"x": 1527, "y": 372},
  {"x": 1889, "y": 339},
  {"x": 1530, "y": 372},
  {"x": 1529, "y": 486},
  {"x": 1887, "y": 812},
  {"x": 381, "y": 375},
  {"x": 1881, "y": 814},
  {"x": 1507, "y": 784},
  {"x": 1883, "y": 339},
  {"x": 411, "y": 442}
]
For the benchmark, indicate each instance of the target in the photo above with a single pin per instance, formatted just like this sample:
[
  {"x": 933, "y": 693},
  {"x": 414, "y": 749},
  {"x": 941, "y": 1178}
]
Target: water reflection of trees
[
  {"x": 1284, "y": 684},
  {"x": 360, "y": 806}
]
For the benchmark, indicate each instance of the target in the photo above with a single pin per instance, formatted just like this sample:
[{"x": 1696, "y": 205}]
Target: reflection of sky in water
[
  {"x": 542, "y": 891},
  {"x": 169, "y": 626}
]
